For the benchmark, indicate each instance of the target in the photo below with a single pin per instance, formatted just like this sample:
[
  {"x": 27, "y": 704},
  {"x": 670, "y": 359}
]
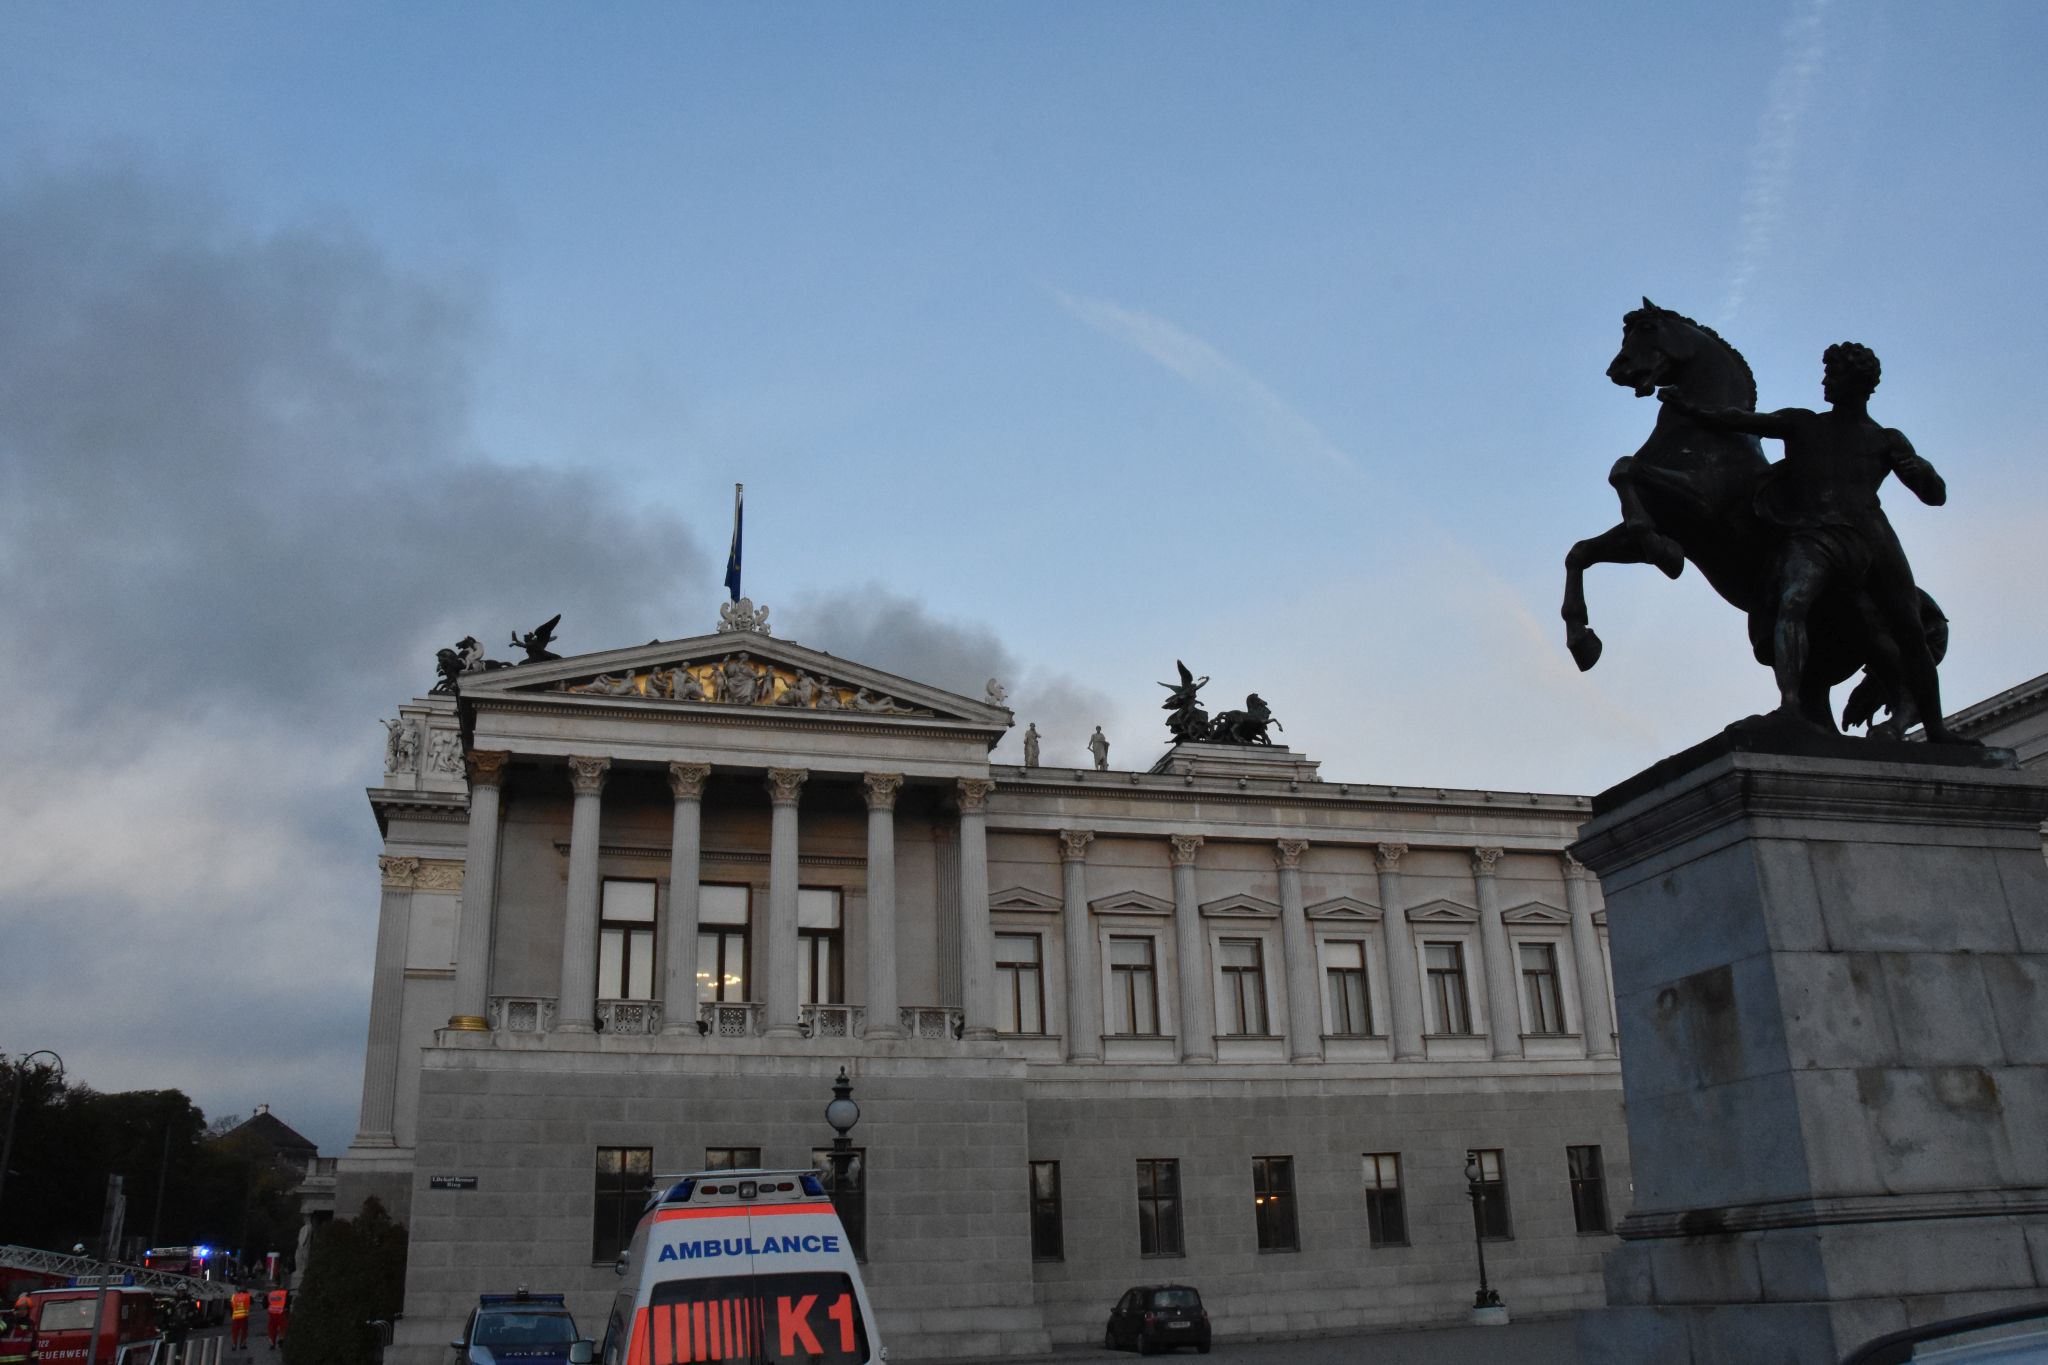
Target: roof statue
[
  {"x": 742, "y": 615},
  {"x": 536, "y": 641},
  {"x": 466, "y": 657},
  {"x": 1189, "y": 723},
  {"x": 1801, "y": 546}
]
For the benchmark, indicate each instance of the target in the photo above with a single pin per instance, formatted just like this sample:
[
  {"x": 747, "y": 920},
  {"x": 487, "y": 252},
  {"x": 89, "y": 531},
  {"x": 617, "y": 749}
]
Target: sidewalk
[{"x": 1549, "y": 1341}]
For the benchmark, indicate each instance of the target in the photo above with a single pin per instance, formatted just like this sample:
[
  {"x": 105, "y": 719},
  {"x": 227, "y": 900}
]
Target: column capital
[
  {"x": 1574, "y": 870},
  {"x": 786, "y": 784},
  {"x": 1074, "y": 845},
  {"x": 1184, "y": 846},
  {"x": 882, "y": 789},
  {"x": 487, "y": 766},
  {"x": 398, "y": 872},
  {"x": 974, "y": 794},
  {"x": 1387, "y": 857},
  {"x": 1287, "y": 853},
  {"x": 586, "y": 775},
  {"x": 686, "y": 780},
  {"x": 1483, "y": 860}
]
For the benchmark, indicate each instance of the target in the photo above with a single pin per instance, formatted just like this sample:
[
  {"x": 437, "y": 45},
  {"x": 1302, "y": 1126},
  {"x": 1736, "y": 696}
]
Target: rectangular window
[
  {"x": 1244, "y": 985},
  {"x": 1350, "y": 1004},
  {"x": 732, "y": 1158},
  {"x": 1493, "y": 1197},
  {"x": 1589, "y": 1188},
  {"x": 1446, "y": 966},
  {"x": 625, "y": 940},
  {"x": 1020, "y": 990},
  {"x": 1159, "y": 1208},
  {"x": 1134, "y": 986},
  {"x": 1048, "y": 1241},
  {"x": 625, "y": 1182},
  {"x": 851, "y": 1202},
  {"x": 722, "y": 968},
  {"x": 1539, "y": 987},
  {"x": 818, "y": 948},
  {"x": 1386, "y": 1219},
  {"x": 1273, "y": 1203}
]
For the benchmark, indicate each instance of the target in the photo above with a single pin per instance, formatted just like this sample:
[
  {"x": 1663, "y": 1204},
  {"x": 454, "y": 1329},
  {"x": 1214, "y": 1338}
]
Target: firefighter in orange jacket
[
  {"x": 238, "y": 1319},
  {"x": 276, "y": 1304}
]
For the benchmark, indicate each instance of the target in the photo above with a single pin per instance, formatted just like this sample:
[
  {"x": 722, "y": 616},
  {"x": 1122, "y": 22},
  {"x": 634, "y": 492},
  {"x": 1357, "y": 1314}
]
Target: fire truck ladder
[{"x": 59, "y": 1263}]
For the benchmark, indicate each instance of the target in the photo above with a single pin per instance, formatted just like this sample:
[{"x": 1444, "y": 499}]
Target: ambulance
[{"x": 744, "y": 1268}]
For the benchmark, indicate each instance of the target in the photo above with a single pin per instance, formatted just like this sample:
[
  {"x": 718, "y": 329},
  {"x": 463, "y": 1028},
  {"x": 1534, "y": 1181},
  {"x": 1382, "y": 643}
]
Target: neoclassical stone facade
[{"x": 1220, "y": 1021}]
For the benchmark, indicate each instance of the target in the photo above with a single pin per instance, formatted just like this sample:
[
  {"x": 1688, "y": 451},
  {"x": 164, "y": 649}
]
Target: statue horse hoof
[{"x": 1585, "y": 647}]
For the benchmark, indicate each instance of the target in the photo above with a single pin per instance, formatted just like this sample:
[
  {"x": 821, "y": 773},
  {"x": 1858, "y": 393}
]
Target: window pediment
[
  {"x": 1023, "y": 898},
  {"x": 1343, "y": 908},
  {"x": 1240, "y": 907},
  {"x": 1442, "y": 912},
  {"x": 1536, "y": 912},
  {"x": 1130, "y": 903}
]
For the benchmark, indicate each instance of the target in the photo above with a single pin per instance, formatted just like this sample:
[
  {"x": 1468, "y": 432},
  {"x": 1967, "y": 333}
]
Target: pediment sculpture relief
[{"x": 739, "y": 679}]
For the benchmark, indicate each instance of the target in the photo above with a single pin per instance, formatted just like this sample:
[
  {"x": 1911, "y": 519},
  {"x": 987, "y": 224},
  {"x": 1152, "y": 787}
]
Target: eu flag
[{"x": 732, "y": 561}]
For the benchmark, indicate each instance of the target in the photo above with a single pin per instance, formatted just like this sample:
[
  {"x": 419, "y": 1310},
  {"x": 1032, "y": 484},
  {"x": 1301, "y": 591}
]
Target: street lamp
[
  {"x": 1487, "y": 1309},
  {"x": 14, "y": 1104},
  {"x": 842, "y": 1114}
]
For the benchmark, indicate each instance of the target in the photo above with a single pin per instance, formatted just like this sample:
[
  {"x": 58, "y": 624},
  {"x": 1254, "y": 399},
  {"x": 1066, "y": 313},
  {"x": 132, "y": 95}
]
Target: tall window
[
  {"x": 1386, "y": 1218},
  {"x": 1273, "y": 1203},
  {"x": 625, "y": 1182},
  {"x": 1244, "y": 985},
  {"x": 1134, "y": 986},
  {"x": 1159, "y": 1208},
  {"x": 1048, "y": 1241},
  {"x": 1445, "y": 963},
  {"x": 1589, "y": 1188},
  {"x": 625, "y": 941},
  {"x": 1539, "y": 987},
  {"x": 1493, "y": 1197},
  {"x": 1344, "y": 978},
  {"x": 851, "y": 1202},
  {"x": 1020, "y": 991},
  {"x": 818, "y": 943},
  {"x": 732, "y": 1158},
  {"x": 722, "y": 941}
]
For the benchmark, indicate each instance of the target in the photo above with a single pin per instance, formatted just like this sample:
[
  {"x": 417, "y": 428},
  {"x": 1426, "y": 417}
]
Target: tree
[{"x": 355, "y": 1275}]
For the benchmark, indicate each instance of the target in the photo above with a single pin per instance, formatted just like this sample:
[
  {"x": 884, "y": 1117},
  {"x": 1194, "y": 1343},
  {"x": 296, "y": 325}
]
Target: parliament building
[{"x": 1227, "y": 1021}]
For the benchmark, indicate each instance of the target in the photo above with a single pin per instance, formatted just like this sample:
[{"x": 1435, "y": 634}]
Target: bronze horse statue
[{"x": 1688, "y": 494}]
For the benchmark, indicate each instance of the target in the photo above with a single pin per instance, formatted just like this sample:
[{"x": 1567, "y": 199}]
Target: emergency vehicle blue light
[
  {"x": 812, "y": 1186},
  {"x": 201, "y": 1253},
  {"x": 678, "y": 1193}
]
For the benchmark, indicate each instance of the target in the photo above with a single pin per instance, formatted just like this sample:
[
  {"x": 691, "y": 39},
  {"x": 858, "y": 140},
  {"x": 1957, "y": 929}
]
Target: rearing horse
[{"x": 1688, "y": 494}]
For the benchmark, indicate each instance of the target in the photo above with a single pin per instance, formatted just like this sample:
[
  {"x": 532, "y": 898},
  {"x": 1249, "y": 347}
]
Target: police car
[
  {"x": 741, "y": 1266},
  {"x": 517, "y": 1329}
]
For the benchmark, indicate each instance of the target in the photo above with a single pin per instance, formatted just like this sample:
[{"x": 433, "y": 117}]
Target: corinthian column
[
  {"x": 387, "y": 984},
  {"x": 882, "y": 1020},
  {"x": 686, "y": 848},
  {"x": 479, "y": 893},
  {"x": 1596, "y": 1014},
  {"x": 1191, "y": 953},
  {"x": 577, "y": 1012},
  {"x": 779, "y": 944},
  {"x": 1404, "y": 977},
  {"x": 1504, "y": 1019},
  {"x": 977, "y": 942},
  {"x": 1298, "y": 945},
  {"x": 1084, "y": 979}
]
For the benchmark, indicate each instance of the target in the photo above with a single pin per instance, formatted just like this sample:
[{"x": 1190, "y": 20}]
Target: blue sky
[{"x": 1053, "y": 341}]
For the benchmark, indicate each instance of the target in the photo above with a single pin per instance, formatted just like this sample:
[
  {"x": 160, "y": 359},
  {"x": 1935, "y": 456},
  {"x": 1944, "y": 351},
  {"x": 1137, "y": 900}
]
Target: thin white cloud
[
  {"x": 1266, "y": 416},
  {"x": 1777, "y": 147}
]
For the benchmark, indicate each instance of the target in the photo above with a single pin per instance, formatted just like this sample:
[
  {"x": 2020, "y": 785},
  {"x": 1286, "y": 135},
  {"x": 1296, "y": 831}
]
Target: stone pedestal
[{"x": 1832, "y": 983}]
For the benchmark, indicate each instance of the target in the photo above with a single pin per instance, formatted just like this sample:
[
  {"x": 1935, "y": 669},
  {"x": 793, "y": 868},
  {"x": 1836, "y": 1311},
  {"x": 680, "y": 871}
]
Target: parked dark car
[
  {"x": 1158, "y": 1317},
  {"x": 517, "y": 1329}
]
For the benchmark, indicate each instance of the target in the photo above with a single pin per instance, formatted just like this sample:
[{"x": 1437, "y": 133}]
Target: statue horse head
[{"x": 1660, "y": 348}]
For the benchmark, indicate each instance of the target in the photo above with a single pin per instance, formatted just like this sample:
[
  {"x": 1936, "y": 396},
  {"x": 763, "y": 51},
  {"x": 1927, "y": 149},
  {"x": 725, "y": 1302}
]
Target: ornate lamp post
[
  {"x": 14, "y": 1105},
  {"x": 842, "y": 1114},
  {"x": 1487, "y": 1309}
]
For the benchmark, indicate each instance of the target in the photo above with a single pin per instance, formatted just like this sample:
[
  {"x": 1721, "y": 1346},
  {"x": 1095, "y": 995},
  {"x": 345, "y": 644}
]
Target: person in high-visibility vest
[
  {"x": 276, "y": 1303},
  {"x": 238, "y": 1319}
]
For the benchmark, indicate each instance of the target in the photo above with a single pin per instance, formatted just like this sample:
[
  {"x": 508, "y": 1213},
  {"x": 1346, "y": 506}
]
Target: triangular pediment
[
  {"x": 1241, "y": 907},
  {"x": 1025, "y": 899},
  {"x": 726, "y": 670},
  {"x": 1130, "y": 903},
  {"x": 1344, "y": 908},
  {"x": 1536, "y": 912},
  {"x": 1442, "y": 912}
]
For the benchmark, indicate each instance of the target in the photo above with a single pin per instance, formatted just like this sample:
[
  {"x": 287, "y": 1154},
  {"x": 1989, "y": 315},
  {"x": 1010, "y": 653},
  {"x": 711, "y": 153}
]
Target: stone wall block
[
  {"x": 1941, "y": 1009},
  {"x": 1712, "y": 1027},
  {"x": 1936, "y": 1256},
  {"x": 1879, "y": 897},
  {"x": 2024, "y": 878},
  {"x": 1632, "y": 1335},
  {"x": 1836, "y": 1010},
  {"x": 1791, "y": 1265},
  {"x": 1705, "y": 914},
  {"x": 2017, "y": 988}
]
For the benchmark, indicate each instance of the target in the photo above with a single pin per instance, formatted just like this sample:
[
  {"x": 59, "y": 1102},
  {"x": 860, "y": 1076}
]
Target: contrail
[{"x": 1777, "y": 145}]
